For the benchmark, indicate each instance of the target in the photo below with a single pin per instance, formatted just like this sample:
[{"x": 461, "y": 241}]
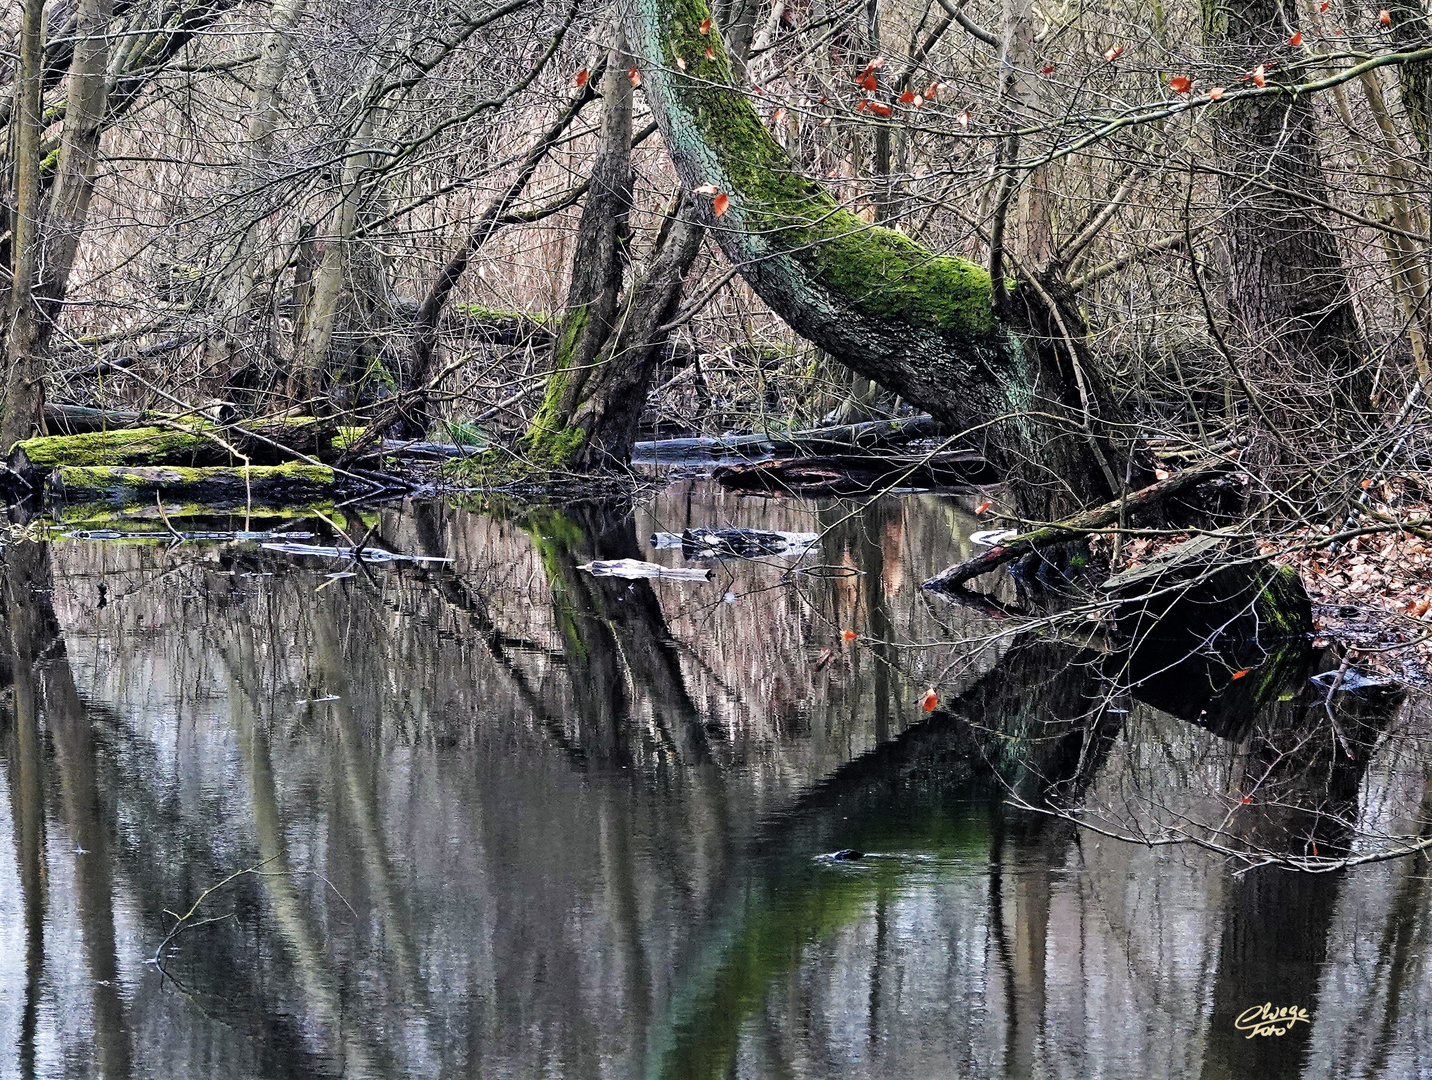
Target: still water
[{"x": 496, "y": 817}]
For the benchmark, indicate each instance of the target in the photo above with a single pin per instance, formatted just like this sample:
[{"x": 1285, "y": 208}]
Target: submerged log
[
  {"x": 853, "y": 474},
  {"x": 868, "y": 435},
  {"x": 264, "y": 442},
  {"x": 293, "y": 482}
]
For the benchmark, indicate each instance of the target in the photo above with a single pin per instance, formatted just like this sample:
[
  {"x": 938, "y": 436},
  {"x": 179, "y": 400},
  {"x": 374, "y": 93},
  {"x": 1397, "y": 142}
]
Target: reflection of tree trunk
[
  {"x": 37, "y": 649},
  {"x": 304, "y": 942},
  {"x": 1276, "y": 922},
  {"x": 1275, "y": 940},
  {"x": 23, "y": 756},
  {"x": 614, "y": 630},
  {"x": 355, "y": 776}
]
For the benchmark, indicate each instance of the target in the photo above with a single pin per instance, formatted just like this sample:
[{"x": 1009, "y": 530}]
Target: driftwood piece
[
  {"x": 1079, "y": 526},
  {"x": 293, "y": 482},
  {"x": 190, "y": 444},
  {"x": 853, "y": 474},
  {"x": 875, "y": 433}
]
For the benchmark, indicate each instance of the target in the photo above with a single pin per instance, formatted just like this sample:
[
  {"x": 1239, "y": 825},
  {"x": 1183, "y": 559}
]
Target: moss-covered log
[
  {"x": 921, "y": 324},
  {"x": 216, "y": 486},
  {"x": 195, "y": 444}
]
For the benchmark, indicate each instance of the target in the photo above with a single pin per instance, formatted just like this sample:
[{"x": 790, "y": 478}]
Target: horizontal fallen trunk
[
  {"x": 868, "y": 435},
  {"x": 82, "y": 419},
  {"x": 293, "y": 482},
  {"x": 844, "y": 474},
  {"x": 1079, "y": 526},
  {"x": 263, "y": 442}
]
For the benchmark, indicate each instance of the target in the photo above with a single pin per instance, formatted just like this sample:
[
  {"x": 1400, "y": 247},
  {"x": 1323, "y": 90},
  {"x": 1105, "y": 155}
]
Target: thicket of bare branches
[{"x": 279, "y": 188}]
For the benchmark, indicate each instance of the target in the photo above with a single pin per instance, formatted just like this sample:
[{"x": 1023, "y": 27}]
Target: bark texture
[
  {"x": 921, "y": 324},
  {"x": 1288, "y": 295}
]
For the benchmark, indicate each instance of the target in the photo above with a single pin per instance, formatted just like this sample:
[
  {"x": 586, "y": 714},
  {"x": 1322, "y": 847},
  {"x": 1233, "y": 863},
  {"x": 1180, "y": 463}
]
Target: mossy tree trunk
[
  {"x": 598, "y": 268},
  {"x": 921, "y": 324},
  {"x": 600, "y": 432}
]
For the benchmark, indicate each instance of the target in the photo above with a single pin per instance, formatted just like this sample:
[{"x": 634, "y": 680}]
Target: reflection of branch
[
  {"x": 1251, "y": 859},
  {"x": 185, "y": 922}
]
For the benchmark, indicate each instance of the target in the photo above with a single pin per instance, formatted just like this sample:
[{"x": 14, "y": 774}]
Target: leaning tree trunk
[
  {"x": 1288, "y": 295},
  {"x": 921, "y": 324},
  {"x": 601, "y": 430},
  {"x": 598, "y": 266}
]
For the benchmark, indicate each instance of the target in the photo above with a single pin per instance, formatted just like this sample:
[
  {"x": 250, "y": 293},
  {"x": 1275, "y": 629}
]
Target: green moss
[
  {"x": 879, "y": 271},
  {"x": 129, "y": 446},
  {"x": 1282, "y": 605},
  {"x": 549, "y": 443}
]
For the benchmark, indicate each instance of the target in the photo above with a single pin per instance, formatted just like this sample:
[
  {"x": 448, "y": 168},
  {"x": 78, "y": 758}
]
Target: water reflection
[{"x": 507, "y": 818}]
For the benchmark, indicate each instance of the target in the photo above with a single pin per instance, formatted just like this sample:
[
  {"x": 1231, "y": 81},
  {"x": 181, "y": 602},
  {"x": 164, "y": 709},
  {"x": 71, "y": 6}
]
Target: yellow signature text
[{"x": 1266, "y": 1020}]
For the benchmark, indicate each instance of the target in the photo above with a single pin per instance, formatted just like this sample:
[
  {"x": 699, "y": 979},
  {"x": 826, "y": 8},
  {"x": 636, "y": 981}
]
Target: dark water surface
[{"x": 506, "y": 819}]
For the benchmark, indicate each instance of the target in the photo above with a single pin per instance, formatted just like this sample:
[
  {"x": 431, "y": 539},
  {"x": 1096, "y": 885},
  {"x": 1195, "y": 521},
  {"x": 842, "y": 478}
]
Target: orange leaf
[
  {"x": 848, "y": 635},
  {"x": 1367, "y": 484},
  {"x": 1385, "y": 17},
  {"x": 1047, "y": 69},
  {"x": 879, "y": 108},
  {"x": 932, "y": 91},
  {"x": 929, "y": 700},
  {"x": 1215, "y": 93},
  {"x": 963, "y": 119},
  {"x": 1245, "y": 800},
  {"x": 778, "y": 115},
  {"x": 706, "y": 25},
  {"x": 1240, "y": 674},
  {"x": 1161, "y": 474},
  {"x": 710, "y": 54},
  {"x": 1323, "y": 6},
  {"x": 982, "y": 507},
  {"x": 635, "y": 76},
  {"x": 907, "y": 98},
  {"x": 867, "y": 82},
  {"x": 681, "y": 63},
  {"x": 719, "y": 204},
  {"x": 1296, "y": 39},
  {"x": 1181, "y": 84},
  {"x": 582, "y": 77},
  {"x": 1114, "y": 53},
  {"x": 1260, "y": 75}
]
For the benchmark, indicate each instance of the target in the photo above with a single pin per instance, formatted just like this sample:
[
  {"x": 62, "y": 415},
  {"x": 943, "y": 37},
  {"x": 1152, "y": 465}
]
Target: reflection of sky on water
[{"x": 568, "y": 826}]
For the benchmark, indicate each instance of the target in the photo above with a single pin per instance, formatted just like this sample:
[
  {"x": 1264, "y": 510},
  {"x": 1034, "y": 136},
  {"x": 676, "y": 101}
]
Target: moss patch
[{"x": 879, "y": 271}]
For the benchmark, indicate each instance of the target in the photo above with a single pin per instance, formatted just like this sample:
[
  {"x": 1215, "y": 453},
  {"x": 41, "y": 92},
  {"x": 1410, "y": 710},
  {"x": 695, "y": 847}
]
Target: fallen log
[
  {"x": 854, "y": 474},
  {"x": 1079, "y": 526},
  {"x": 215, "y": 486},
  {"x": 82, "y": 419},
  {"x": 869, "y": 435},
  {"x": 1210, "y": 588},
  {"x": 264, "y": 442}
]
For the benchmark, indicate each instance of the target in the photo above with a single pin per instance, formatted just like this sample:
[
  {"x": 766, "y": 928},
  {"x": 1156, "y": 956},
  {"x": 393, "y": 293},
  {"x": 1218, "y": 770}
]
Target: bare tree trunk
[
  {"x": 614, "y": 396},
  {"x": 43, "y": 264},
  {"x": 22, "y": 331},
  {"x": 242, "y": 269},
  {"x": 1288, "y": 295}
]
